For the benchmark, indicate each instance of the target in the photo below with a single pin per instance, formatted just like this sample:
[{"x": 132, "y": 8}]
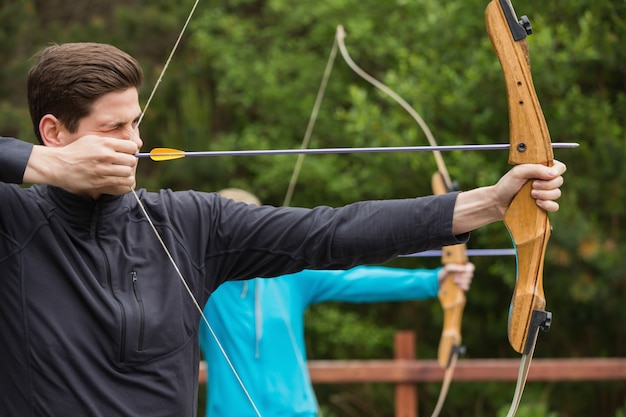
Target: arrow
[
  {"x": 168, "y": 154},
  {"x": 470, "y": 252}
]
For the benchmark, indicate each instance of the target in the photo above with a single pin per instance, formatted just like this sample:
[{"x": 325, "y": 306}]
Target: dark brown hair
[{"x": 66, "y": 80}]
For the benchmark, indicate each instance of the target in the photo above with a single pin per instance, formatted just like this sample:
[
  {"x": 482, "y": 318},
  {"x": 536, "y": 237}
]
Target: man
[
  {"x": 93, "y": 319},
  {"x": 260, "y": 325}
]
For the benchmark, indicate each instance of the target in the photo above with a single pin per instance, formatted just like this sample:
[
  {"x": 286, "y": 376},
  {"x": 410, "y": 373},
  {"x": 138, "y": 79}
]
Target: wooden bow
[
  {"x": 530, "y": 143},
  {"x": 452, "y": 300}
]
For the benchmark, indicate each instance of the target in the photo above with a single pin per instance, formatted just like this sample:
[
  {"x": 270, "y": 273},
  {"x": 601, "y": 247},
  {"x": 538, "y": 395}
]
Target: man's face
[{"x": 113, "y": 115}]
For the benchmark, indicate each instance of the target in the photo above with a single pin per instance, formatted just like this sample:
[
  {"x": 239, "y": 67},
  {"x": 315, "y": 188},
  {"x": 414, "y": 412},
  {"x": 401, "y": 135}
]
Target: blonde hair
[{"x": 239, "y": 195}]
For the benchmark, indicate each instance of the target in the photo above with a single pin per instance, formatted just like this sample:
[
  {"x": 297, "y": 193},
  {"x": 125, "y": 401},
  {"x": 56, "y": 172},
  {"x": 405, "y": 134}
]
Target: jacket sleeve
[
  {"x": 250, "y": 242},
  {"x": 367, "y": 284},
  {"x": 14, "y": 155}
]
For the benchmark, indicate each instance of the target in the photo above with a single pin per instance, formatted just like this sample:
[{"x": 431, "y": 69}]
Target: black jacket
[{"x": 94, "y": 320}]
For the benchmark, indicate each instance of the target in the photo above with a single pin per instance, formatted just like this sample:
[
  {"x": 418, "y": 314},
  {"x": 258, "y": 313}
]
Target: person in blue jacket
[{"x": 260, "y": 325}]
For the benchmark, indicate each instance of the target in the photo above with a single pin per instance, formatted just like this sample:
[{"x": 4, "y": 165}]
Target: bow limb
[
  {"x": 452, "y": 298},
  {"x": 441, "y": 166}
]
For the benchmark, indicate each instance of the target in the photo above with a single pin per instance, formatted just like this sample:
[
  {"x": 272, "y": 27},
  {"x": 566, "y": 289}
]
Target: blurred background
[{"x": 246, "y": 76}]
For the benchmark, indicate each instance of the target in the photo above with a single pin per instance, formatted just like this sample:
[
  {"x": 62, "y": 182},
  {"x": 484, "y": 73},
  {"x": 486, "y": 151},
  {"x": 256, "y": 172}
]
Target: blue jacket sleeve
[{"x": 367, "y": 284}]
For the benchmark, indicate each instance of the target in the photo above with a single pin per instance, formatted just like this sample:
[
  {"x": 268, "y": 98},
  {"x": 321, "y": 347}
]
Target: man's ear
[{"x": 50, "y": 129}]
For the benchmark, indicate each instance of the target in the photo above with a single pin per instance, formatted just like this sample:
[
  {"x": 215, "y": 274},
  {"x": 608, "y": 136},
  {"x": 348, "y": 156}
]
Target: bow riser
[
  {"x": 452, "y": 298},
  {"x": 453, "y": 303},
  {"x": 530, "y": 143}
]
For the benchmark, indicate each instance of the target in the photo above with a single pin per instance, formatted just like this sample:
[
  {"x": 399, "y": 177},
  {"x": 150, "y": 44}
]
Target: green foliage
[
  {"x": 530, "y": 410},
  {"x": 622, "y": 411},
  {"x": 246, "y": 75},
  {"x": 336, "y": 333}
]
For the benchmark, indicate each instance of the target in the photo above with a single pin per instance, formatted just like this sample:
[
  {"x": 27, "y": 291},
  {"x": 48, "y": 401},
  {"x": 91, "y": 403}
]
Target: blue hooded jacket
[{"x": 260, "y": 324}]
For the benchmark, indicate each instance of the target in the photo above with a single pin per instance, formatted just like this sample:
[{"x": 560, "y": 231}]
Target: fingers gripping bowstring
[{"x": 158, "y": 235}]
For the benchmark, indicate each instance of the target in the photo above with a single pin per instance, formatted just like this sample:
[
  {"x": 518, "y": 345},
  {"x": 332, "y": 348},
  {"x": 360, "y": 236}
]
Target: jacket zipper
[
  {"x": 133, "y": 275},
  {"x": 94, "y": 233}
]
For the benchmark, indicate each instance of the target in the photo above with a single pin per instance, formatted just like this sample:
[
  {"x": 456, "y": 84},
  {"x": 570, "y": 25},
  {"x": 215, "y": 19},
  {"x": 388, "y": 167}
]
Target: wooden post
[{"x": 405, "y": 393}]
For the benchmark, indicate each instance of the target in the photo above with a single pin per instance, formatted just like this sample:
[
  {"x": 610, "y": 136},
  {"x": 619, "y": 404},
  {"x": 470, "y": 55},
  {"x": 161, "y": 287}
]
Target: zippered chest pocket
[{"x": 156, "y": 316}]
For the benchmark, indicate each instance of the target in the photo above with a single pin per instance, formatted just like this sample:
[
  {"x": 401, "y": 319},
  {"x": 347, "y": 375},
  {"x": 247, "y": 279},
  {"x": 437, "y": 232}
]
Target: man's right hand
[{"x": 92, "y": 165}]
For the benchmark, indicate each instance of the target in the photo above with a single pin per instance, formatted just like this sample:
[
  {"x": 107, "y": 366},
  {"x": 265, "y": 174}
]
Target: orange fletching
[{"x": 166, "y": 154}]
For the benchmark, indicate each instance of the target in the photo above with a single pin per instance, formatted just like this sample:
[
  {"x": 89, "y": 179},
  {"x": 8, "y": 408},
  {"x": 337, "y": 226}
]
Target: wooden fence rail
[{"x": 405, "y": 371}]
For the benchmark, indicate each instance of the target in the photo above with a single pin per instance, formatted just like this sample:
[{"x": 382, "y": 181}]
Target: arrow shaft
[
  {"x": 470, "y": 252},
  {"x": 384, "y": 149}
]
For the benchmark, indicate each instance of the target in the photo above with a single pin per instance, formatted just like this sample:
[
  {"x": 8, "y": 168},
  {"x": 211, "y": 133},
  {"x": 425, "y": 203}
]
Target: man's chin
[{"x": 117, "y": 190}]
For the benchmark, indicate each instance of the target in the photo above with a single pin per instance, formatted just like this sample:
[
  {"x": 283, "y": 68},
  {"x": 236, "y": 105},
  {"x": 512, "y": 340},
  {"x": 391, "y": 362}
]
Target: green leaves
[{"x": 246, "y": 77}]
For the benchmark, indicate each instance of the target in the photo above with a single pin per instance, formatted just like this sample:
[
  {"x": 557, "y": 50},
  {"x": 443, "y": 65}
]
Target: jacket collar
[{"x": 81, "y": 208}]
